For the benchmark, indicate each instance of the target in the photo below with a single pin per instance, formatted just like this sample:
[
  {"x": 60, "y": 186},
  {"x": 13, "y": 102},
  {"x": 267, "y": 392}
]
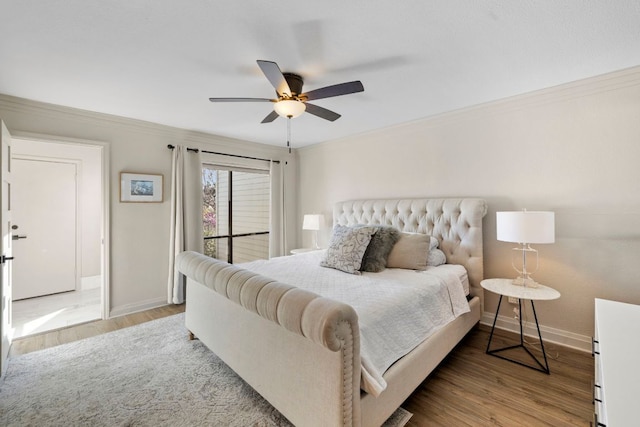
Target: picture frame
[{"x": 141, "y": 188}]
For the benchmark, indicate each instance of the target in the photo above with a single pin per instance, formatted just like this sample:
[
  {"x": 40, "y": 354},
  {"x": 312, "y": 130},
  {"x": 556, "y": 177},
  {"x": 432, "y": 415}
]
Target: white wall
[
  {"x": 139, "y": 232},
  {"x": 90, "y": 209},
  {"x": 572, "y": 149}
]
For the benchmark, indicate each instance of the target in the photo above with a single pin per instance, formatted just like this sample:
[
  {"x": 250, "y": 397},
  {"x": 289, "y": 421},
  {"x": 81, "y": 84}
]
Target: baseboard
[
  {"x": 140, "y": 306},
  {"x": 549, "y": 335},
  {"x": 90, "y": 282}
]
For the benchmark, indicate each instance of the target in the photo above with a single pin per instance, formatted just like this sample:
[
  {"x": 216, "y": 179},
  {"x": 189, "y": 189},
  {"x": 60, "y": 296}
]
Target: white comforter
[{"x": 397, "y": 309}]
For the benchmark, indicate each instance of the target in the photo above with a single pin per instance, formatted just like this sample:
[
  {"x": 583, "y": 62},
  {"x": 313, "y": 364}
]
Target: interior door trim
[{"x": 104, "y": 149}]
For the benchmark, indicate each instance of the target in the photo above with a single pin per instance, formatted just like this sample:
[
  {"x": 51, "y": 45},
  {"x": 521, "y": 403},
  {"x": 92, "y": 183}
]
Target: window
[{"x": 235, "y": 213}]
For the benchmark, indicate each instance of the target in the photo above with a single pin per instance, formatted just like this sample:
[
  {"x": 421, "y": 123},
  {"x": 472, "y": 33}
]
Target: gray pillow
[
  {"x": 375, "y": 257},
  {"x": 347, "y": 247}
]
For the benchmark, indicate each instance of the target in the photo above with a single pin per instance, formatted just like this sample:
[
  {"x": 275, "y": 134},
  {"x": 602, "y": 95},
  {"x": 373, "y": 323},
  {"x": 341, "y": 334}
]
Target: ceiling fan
[{"x": 291, "y": 101}]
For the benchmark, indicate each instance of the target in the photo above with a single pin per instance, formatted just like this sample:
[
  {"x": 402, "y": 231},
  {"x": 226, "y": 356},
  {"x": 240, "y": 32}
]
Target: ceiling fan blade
[
  {"x": 271, "y": 117},
  {"x": 335, "y": 90},
  {"x": 274, "y": 75},
  {"x": 241, "y": 100},
  {"x": 322, "y": 112}
]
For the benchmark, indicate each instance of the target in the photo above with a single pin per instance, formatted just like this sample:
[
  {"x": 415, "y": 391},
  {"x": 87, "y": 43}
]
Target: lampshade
[
  {"x": 289, "y": 108},
  {"x": 312, "y": 222},
  {"x": 525, "y": 227}
]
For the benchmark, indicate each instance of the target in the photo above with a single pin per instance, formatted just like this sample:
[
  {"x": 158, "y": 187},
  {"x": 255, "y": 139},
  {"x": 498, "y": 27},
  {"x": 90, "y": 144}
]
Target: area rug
[{"x": 145, "y": 375}]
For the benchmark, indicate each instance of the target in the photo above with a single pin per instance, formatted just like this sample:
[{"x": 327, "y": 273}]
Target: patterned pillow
[
  {"x": 375, "y": 257},
  {"x": 347, "y": 247}
]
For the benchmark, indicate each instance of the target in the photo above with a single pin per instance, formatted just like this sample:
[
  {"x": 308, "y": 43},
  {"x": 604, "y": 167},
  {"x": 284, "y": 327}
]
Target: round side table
[{"x": 505, "y": 287}]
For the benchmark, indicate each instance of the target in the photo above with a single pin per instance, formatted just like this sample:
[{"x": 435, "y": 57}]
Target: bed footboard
[{"x": 300, "y": 351}]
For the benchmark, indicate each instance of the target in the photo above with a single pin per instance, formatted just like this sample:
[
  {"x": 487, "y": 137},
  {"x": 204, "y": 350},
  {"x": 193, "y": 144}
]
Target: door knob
[{"x": 16, "y": 237}]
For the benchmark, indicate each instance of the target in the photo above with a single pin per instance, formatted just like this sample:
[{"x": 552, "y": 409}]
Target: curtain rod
[{"x": 195, "y": 150}]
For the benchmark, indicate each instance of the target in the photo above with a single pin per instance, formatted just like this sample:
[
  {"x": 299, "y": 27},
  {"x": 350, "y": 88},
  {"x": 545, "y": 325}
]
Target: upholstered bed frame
[{"x": 301, "y": 351}]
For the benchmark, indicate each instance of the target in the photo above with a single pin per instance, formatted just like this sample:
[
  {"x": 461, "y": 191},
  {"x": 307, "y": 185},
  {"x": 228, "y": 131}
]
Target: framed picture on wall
[{"x": 141, "y": 188}]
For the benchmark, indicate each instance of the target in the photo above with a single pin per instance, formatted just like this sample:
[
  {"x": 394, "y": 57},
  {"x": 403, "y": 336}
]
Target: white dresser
[{"x": 616, "y": 349}]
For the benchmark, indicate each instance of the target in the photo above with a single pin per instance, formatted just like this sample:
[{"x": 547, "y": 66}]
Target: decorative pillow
[
  {"x": 436, "y": 257},
  {"x": 375, "y": 257},
  {"x": 434, "y": 242},
  {"x": 347, "y": 247},
  {"x": 410, "y": 252}
]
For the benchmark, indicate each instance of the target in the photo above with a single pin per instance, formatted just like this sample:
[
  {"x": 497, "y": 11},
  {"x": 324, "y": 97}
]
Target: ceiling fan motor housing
[{"x": 295, "y": 83}]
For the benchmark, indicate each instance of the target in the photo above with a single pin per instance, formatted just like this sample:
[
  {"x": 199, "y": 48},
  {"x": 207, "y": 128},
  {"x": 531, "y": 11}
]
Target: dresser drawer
[
  {"x": 599, "y": 418},
  {"x": 616, "y": 349}
]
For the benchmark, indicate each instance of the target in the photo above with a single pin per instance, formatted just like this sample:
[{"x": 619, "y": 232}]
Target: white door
[
  {"x": 44, "y": 204},
  {"x": 5, "y": 246}
]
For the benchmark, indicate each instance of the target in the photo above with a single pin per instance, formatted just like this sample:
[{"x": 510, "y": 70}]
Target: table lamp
[
  {"x": 313, "y": 222},
  {"x": 525, "y": 227}
]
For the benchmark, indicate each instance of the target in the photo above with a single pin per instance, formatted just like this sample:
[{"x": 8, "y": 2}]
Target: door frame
[
  {"x": 6, "y": 332},
  {"x": 78, "y": 182},
  {"x": 105, "y": 220}
]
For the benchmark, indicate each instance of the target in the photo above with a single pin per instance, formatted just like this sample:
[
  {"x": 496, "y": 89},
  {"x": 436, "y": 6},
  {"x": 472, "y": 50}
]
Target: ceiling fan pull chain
[{"x": 289, "y": 133}]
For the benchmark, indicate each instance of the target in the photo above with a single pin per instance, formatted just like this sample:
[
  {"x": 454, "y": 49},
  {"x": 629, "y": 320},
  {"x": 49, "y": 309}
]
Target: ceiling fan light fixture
[{"x": 289, "y": 108}]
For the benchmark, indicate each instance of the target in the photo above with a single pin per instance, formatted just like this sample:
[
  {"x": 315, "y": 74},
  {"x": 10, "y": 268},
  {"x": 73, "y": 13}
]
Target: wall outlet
[{"x": 513, "y": 300}]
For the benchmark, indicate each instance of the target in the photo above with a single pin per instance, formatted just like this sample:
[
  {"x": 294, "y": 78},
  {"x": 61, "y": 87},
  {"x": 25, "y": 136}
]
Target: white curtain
[
  {"x": 186, "y": 233},
  {"x": 277, "y": 233}
]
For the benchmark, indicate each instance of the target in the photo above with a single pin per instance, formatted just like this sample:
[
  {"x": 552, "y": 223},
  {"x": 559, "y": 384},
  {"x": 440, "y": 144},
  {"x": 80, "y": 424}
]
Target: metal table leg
[{"x": 495, "y": 352}]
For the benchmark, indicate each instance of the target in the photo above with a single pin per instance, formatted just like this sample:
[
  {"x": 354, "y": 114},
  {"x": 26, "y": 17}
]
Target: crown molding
[
  {"x": 614, "y": 81},
  {"x": 192, "y": 139}
]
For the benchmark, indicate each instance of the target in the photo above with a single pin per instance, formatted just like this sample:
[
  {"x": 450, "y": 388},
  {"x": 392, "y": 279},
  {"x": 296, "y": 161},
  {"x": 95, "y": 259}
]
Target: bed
[{"x": 302, "y": 351}]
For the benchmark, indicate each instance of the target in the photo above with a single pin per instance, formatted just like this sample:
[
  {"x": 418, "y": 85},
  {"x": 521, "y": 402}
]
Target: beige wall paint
[
  {"x": 139, "y": 232},
  {"x": 572, "y": 149}
]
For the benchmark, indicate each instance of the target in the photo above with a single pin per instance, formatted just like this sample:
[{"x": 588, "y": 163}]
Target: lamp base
[{"x": 525, "y": 281}]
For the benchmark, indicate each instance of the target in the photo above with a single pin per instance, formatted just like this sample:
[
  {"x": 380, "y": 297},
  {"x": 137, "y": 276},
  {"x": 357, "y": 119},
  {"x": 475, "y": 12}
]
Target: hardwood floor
[
  {"x": 469, "y": 388},
  {"x": 472, "y": 388}
]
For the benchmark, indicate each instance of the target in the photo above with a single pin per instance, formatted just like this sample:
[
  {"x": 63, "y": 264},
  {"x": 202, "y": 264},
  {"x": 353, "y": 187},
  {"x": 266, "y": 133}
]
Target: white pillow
[
  {"x": 436, "y": 257},
  {"x": 433, "y": 243}
]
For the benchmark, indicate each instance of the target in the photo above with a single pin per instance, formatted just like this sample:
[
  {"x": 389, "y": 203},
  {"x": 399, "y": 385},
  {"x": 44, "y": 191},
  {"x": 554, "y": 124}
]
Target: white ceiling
[{"x": 160, "y": 60}]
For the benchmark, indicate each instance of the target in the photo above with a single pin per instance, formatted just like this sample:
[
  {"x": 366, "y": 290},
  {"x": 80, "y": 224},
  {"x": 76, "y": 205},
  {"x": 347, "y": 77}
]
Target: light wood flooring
[
  {"x": 469, "y": 388},
  {"x": 472, "y": 388}
]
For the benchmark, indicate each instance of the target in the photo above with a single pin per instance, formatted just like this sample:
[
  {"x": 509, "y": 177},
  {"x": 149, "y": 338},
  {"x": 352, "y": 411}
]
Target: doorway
[{"x": 57, "y": 217}]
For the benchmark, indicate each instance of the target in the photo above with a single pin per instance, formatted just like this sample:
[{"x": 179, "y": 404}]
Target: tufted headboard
[{"x": 456, "y": 223}]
